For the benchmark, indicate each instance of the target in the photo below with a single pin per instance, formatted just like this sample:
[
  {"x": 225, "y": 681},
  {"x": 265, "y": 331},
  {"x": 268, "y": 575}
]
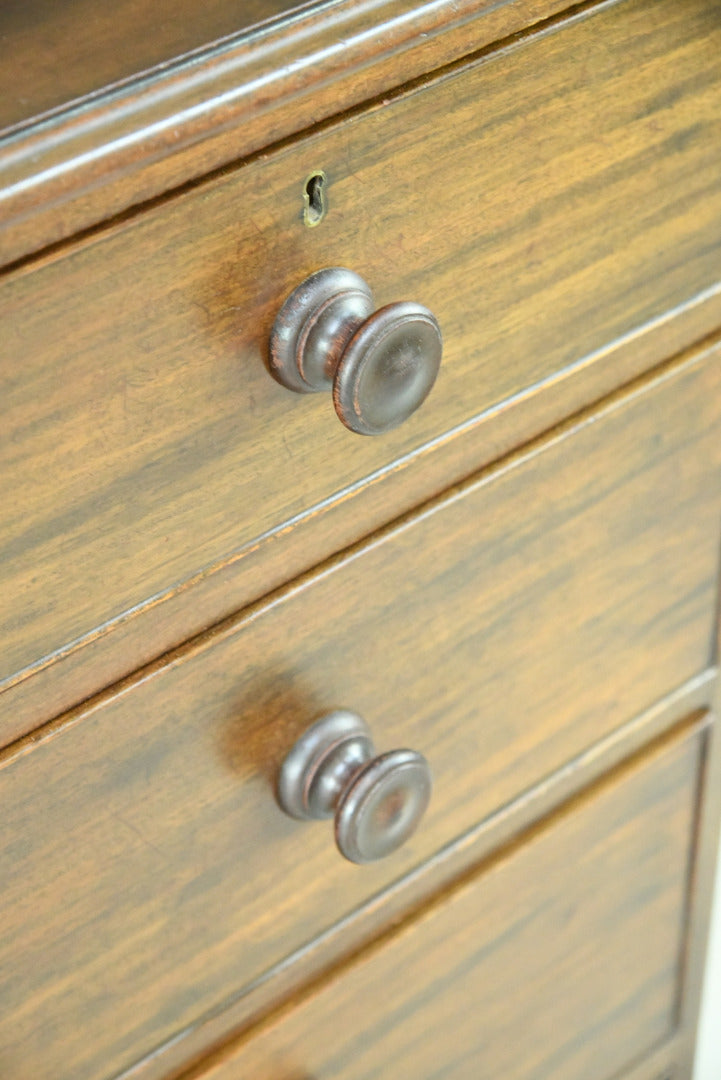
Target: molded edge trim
[{"x": 116, "y": 150}]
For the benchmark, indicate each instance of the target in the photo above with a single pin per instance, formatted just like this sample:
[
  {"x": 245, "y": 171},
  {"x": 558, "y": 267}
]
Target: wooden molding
[{"x": 83, "y": 165}]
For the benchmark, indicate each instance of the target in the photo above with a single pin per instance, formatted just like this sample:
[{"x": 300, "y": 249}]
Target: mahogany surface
[
  {"x": 56, "y": 54},
  {"x": 146, "y": 448},
  {"x": 594, "y": 901},
  {"x": 139, "y": 140},
  {"x": 501, "y": 631},
  {"x": 521, "y": 582}
]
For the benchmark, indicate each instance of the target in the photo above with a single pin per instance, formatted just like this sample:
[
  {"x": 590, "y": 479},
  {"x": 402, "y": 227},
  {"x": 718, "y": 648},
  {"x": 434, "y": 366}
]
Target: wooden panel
[
  {"x": 145, "y": 444},
  {"x": 142, "y": 139},
  {"x": 501, "y": 631},
  {"x": 57, "y": 52},
  {"x": 103, "y": 657},
  {"x": 560, "y": 962},
  {"x": 702, "y": 898},
  {"x": 387, "y": 908}
]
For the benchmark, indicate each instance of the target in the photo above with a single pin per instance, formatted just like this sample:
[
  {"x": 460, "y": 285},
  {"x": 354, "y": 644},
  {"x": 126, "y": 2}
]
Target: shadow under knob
[
  {"x": 381, "y": 364},
  {"x": 376, "y": 801}
]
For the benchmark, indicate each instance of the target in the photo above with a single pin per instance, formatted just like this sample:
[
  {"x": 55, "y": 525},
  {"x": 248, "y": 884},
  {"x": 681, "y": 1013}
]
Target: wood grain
[
  {"x": 57, "y": 53},
  {"x": 560, "y": 961},
  {"x": 139, "y": 140},
  {"x": 500, "y": 631},
  {"x": 213, "y": 1034},
  {"x": 101, "y": 658},
  {"x": 145, "y": 446}
]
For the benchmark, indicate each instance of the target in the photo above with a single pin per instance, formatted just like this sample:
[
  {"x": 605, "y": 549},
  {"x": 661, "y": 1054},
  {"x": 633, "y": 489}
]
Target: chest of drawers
[{"x": 519, "y": 581}]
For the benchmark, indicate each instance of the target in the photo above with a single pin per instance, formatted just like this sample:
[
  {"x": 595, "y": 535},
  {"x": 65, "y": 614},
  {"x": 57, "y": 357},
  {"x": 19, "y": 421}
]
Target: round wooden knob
[
  {"x": 380, "y": 365},
  {"x": 376, "y": 801}
]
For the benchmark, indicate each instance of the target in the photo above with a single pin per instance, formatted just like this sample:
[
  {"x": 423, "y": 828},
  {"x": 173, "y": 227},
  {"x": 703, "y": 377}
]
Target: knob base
[
  {"x": 313, "y": 327},
  {"x": 322, "y": 763}
]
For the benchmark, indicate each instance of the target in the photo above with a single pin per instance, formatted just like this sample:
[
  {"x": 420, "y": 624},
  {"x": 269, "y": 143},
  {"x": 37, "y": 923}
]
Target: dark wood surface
[
  {"x": 104, "y": 656},
  {"x": 501, "y": 631},
  {"x": 561, "y": 960},
  {"x": 146, "y": 449},
  {"x": 556, "y": 201},
  {"x": 137, "y": 141},
  {"x": 55, "y": 53},
  {"x": 213, "y": 1034}
]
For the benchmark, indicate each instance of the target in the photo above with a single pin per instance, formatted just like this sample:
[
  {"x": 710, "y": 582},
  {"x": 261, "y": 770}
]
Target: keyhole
[{"x": 315, "y": 199}]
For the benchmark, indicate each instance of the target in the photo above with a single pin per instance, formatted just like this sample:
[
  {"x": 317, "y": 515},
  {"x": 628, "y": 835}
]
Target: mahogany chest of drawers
[{"x": 519, "y": 581}]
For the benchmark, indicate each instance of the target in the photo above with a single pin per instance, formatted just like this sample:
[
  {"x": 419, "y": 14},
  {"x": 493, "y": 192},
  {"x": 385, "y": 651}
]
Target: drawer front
[
  {"x": 560, "y": 961},
  {"x": 572, "y": 199},
  {"x": 501, "y": 632}
]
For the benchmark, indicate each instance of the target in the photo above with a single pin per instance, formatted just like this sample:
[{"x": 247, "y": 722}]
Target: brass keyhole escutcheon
[{"x": 315, "y": 199}]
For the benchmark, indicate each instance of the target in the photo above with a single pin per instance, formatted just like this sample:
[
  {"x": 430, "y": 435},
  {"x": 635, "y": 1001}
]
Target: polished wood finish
[
  {"x": 86, "y": 46},
  {"x": 109, "y": 652},
  {"x": 500, "y": 631},
  {"x": 139, "y": 141},
  {"x": 561, "y": 959},
  {"x": 523, "y": 583},
  {"x": 160, "y": 464},
  {"x": 385, "y": 909}
]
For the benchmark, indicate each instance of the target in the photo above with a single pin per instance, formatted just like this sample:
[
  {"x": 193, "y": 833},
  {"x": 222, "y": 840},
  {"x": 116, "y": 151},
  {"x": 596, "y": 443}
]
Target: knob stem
[
  {"x": 323, "y": 762},
  {"x": 313, "y": 327},
  {"x": 335, "y": 770}
]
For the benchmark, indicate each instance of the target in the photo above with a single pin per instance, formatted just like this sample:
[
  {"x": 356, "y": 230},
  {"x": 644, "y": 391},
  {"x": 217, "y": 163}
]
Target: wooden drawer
[
  {"x": 502, "y": 630},
  {"x": 149, "y": 465},
  {"x": 562, "y": 960}
]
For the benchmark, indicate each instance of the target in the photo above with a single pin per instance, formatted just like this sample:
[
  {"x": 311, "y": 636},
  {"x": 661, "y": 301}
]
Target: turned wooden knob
[
  {"x": 380, "y": 365},
  {"x": 376, "y": 801}
]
